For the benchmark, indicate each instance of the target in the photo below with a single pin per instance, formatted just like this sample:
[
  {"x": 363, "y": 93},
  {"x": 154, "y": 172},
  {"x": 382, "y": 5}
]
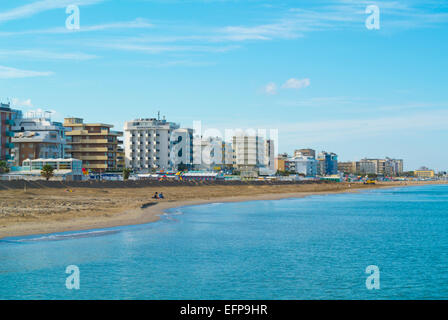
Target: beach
[{"x": 48, "y": 210}]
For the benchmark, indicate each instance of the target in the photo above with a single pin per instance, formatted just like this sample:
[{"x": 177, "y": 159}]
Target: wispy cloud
[
  {"x": 270, "y": 88},
  {"x": 125, "y": 45},
  {"x": 16, "y": 102},
  {"x": 36, "y": 7},
  {"x": 296, "y": 83},
  {"x": 42, "y": 54},
  {"x": 138, "y": 23},
  {"x": 13, "y": 73}
]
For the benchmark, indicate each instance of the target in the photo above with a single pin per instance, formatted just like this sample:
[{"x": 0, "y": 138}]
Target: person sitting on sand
[
  {"x": 161, "y": 196},
  {"x": 155, "y": 196}
]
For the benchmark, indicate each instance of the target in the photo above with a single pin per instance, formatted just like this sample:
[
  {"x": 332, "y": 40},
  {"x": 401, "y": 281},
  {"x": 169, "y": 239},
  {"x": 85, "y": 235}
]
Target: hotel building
[
  {"x": 36, "y": 137},
  {"x": 305, "y": 153},
  {"x": 252, "y": 152},
  {"x": 327, "y": 163},
  {"x": 93, "y": 143},
  {"x": 181, "y": 148},
  {"x": 6, "y": 134},
  {"x": 306, "y": 165},
  {"x": 147, "y": 144},
  {"x": 212, "y": 153}
]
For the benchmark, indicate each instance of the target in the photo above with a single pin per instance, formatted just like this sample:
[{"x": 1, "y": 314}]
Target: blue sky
[{"x": 310, "y": 69}]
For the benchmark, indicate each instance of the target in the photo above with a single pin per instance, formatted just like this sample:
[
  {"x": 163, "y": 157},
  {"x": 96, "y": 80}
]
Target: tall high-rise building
[
  {"x": 147, "y": 144},
  {"x": 6, "y": 134},
  {"x": 93, "y": 143},
  {"x": 37, "y": 137}
]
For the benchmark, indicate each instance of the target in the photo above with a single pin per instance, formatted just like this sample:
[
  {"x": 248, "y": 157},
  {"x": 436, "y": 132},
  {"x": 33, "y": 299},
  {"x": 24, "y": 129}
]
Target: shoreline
[{"x": 139, "y": 216}]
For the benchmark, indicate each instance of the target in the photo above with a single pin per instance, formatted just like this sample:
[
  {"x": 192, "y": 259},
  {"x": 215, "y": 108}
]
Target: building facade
[
  {"x": 37, "y": 137},
  {"x": 382, "y": 167},
  {"x": 6, "y": 133},
  {"x": 93, "y": 143},
  {"x": 347, "y": 167},
  {"x": 305, "y": 153},
  {"x": 181, "y": 149},
  {"x": 327, "y": 163},
  {"x": 147, "y": 144},
  {"x": 306, "y": 165}
]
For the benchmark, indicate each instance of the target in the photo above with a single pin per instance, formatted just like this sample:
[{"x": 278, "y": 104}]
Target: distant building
[
  {"x": 6, "y": 134},
  {"x": 366, "y": 167},
  {"x": 383, "y": 167},
  {"x": 212, "y": 153},
  {"x": 347, "y": 167},
  {"x": 281, "y": 162},
  {"x": 305, "y": 165},
  {"x": 305, "y": 153},
  {"x": 147, "y": 144},
  {"x": 327, "y": 163},
  {"x": 251, "y": 152},
  {"x": 37, "y": 137},
  {"x": 424, "y": 173},
  {"x": 181, "y": 148},
  {"x": 269, "y": 155},
  {"x": 93, "y": 143}
]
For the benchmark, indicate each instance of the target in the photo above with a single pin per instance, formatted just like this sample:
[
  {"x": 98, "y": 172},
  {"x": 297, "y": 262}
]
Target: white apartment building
[
  {"x": 181, "y": 148},
  {"x": 36, "y": 136},
  {"x": 253, "y": 151},
  {"x": 212, "y": 152},
  {"x": 154, "y": 144},
  {"x": 306, "y": 165}
]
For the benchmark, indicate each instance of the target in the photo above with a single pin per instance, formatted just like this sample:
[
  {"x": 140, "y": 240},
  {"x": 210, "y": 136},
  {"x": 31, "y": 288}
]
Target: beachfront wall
[{"x": 64, "y": 169}]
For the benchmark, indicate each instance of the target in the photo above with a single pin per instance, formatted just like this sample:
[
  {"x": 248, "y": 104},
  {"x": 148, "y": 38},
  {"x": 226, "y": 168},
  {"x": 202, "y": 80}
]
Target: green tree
[
  {"x": 126, "y": 173},
  {"x": 47, "y": 172},
  {"x": 4, "y": 167}
]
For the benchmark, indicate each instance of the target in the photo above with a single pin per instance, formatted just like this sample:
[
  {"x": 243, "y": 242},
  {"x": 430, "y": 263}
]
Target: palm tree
[
  {"x": 126, "y": 173},
  {"x": 47, "y": 171}
]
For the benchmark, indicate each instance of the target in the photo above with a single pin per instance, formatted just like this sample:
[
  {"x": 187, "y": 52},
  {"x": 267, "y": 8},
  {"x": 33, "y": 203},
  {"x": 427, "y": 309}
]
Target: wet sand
[{"x": 40, "y": 211}]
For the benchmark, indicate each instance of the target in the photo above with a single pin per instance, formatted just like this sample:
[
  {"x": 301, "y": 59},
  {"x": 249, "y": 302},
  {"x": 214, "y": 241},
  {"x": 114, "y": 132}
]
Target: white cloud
[
  {"x": 16, "y": 102},
  {"x": 13, "y": 73},
  {"x": 296, "y": 83},
  {"x": 36, "y": 7},
  {"x": 270, "y": 88}
]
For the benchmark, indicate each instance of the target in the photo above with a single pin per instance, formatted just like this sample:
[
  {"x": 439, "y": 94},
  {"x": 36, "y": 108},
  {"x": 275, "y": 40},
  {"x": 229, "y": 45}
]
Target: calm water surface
[{"x": 312, "y": 248}]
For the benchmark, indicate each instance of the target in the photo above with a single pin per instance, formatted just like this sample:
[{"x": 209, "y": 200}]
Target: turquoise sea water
[{"x": 311, "y": 248}]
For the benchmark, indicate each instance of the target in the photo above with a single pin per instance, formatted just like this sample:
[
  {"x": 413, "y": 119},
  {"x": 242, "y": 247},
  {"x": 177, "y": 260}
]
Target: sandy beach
[{"x": 40, "y": 211}]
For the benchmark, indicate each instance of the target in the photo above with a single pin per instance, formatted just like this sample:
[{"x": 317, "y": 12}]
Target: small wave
[{"x": 60, "y": 237}]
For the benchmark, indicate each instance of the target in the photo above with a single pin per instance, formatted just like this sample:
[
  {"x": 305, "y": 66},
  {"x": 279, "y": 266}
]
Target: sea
[{"x": 375, "y": 244}]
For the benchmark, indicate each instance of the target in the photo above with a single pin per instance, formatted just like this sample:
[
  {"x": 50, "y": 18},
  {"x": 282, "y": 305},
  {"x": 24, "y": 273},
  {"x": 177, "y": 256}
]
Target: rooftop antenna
[{"x": 158, "y": 115}]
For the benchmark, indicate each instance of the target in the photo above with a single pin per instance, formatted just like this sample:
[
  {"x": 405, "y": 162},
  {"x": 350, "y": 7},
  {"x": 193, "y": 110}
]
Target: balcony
[
  {"x": 95, "y": 166},
  {"x": 87, "y": 133},
  {"x": 90, "y": 141},
  {"x": 87, "y": 158},
  {"x": 10, "y": 122},
  {"x": 9, "y": 134},
  {"x": 9, "y": 145},
  {"x": 86, "y": 149}
]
